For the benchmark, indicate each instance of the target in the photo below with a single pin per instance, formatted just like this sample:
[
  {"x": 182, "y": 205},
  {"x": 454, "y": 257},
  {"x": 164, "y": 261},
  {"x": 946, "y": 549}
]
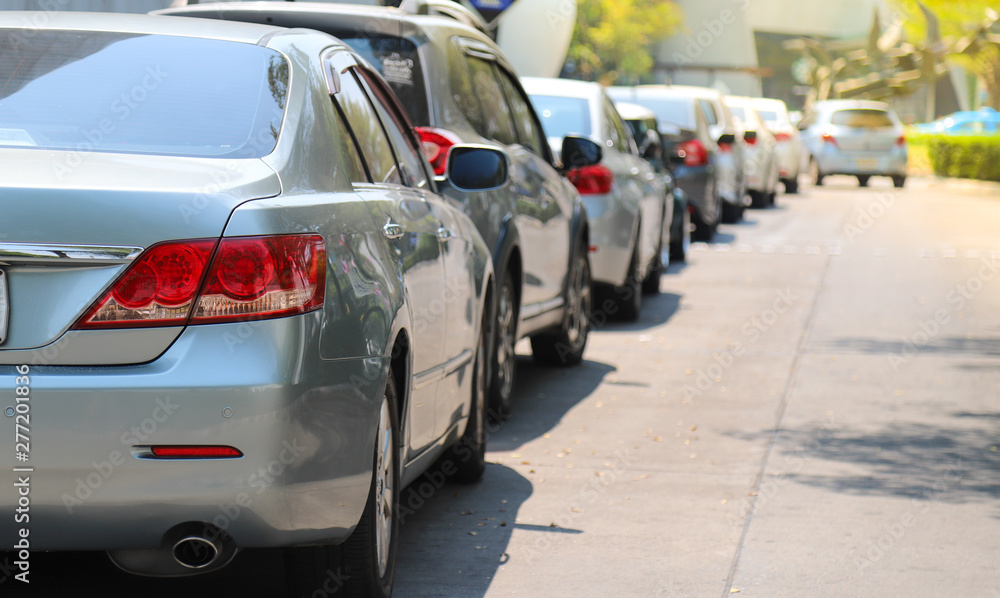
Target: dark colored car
[
  {"x": 457, "y": 87},
  {"x": 686, "y": 133}
]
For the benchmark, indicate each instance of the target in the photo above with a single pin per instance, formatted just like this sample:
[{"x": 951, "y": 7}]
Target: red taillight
[
  {"x": 782, "y": 136},
  {"x": 263, "y": 277},
  {"x": 750, "y": 137},
  {"x": 157, "y": 290},
  {"x": 695, "y": 153},
  {"x": 195, "y": 452},
  {"x": 435, "y": 144},
  {"x": 829, "y": 138},
  {"x": 249, "y": 278},
  {"x": 901, "y": 141},
  {"x": 592, "y": 180}
]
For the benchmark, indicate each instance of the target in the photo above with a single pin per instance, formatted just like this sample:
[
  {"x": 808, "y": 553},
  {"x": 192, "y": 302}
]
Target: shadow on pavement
[
  {"x": 985, "y": 347},
  {"x": 955, "y": 461},
  {"x": 542, "y": 396},
  {"x": 454, "y": 543}
]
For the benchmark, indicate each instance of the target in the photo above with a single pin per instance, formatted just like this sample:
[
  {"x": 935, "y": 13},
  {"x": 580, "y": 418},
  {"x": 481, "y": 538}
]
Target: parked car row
[{"x": 302, "y": 239}]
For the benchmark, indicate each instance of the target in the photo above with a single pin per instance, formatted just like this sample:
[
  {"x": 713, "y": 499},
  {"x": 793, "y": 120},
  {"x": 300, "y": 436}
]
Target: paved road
[{"x": 809, "y": 408}]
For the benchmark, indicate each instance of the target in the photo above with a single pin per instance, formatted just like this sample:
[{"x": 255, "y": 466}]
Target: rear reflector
[
  {"x": 194, "y": 452},
  {"x": 249, "y": 278}
]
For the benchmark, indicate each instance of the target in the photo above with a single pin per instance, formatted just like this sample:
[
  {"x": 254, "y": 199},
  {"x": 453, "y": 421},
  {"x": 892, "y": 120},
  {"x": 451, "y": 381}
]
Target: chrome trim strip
[
  {"x": 33, "y": 253},
  {"x": 439, "y": 372},
  {"x": 537, "y": 309}
]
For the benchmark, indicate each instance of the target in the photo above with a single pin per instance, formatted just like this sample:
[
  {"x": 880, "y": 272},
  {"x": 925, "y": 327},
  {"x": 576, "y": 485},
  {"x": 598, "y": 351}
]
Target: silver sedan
[
  {"x": 627, "y": 204},
  {"x": 239, "y": 313}
]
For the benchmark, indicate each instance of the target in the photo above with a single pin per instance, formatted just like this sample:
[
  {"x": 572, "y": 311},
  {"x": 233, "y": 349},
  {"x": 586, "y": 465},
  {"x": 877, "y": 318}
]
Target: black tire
[
  {"x": 566, "y": 347},
  {"x": 703, "y": 229},
  {"x": 772, "y": 198},
  {"x": 731, "y": 214},
  {"x": 469, "y": 454},
  {"x": 817, "y": 175},
  {"x": 758, "y": 199},
  {"x": 503, "y": 366},
  {"x": 628, "y": 297},
  {"x": 651, "y": 283},
  {"x": 679, "y": 244},
  {"x": 364, "y": 565},
  {"x": 898, "y": 181},
  {"x": 863, "y": 180},
  {"x": 792, "y": 186}
]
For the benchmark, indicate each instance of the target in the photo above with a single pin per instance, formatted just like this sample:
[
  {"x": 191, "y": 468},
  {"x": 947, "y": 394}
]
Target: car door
[
  {"x": 412, "y": 229},
  {"x": 544, "y": 262},
  {"x": 456, "y": 295},
  {"x": 638, "y": 182},
  {"x": 555, "y": 203}
]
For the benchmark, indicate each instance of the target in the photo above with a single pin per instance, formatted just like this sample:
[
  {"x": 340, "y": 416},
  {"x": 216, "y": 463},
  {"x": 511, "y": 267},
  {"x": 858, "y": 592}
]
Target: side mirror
[
  {"x": 578, "y": 152},
  {"x": 477, "y": 168}
]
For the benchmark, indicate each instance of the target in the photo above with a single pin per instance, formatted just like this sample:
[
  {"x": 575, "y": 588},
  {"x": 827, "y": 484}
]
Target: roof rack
[{"x": 450, "y": 9}]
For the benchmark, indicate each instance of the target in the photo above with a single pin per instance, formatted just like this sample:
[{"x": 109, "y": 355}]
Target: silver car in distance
[{"x": 244, "y": 314}]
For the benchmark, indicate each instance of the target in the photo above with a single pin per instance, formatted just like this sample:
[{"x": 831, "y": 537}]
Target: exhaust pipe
[
  {"x": 194, "y": 552},
  {"x": 186, "y": 549}
]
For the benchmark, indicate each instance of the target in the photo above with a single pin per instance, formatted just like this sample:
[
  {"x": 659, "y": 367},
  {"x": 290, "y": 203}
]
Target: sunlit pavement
[{"x": 809, "y": 408}]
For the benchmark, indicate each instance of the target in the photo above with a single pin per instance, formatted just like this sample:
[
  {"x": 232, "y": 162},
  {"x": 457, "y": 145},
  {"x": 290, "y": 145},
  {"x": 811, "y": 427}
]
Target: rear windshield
[
  {"x": 769, "y": 115},
  {"x": 738, "y": 112},
  {"x": 861, "y": 118},
  {"x": 398, "y": 61},
  {"x": 563, "y": 116},
  {"x": 677, "y": 111},
  {"x": 142, "y": 94}
]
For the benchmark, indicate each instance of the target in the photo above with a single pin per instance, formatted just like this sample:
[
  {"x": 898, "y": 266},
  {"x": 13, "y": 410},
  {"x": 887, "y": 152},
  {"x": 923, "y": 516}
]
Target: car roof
[
  {"x": 653, "y": 91},
  {"x": 138, "y": 24},
  {"x": 831, "y": 105},
  {"x": 630, "y": 111},
  {"x": 567, "y": 88}
]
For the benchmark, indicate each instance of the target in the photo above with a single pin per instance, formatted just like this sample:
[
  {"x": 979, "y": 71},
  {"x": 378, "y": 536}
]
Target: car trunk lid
[{"x": 73, "y": 222}]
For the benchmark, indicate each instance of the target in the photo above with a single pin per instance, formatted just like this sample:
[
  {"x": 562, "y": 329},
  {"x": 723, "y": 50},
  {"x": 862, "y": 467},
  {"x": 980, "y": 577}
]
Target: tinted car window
[
  {"x": 351, "y": 153},
  {"x": 411, "y": 160},
  {"x": 563, "y": 116},
  {"x": 861, "y": 118},
  {"x": 619, "y": 135},
  {"x": 497, "y": 121},
  {"x": 767, "y": 115},
  {"x": 398, "y": 62},
  {"x": 739, "y": 112},
  {"x": 143, "y": 94},
  {"x": 368, "y": 131},
  {"x": 528, "y": 132}
]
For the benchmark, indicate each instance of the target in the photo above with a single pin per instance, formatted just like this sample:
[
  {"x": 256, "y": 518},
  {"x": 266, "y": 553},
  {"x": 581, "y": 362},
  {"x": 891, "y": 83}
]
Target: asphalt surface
[{"x": 808, "y": 408}]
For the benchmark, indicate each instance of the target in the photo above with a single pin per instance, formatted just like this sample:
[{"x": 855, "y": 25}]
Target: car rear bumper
[
  {"x": 889, "y": 163},
  {"x": 305, "y": 427},
  {"x": 789, "y": 156}
]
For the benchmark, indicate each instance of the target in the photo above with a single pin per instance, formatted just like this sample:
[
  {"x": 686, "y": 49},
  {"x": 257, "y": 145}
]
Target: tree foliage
[
  {"x": 959, "y": 22},
  {"x": 616, "y": 39}
]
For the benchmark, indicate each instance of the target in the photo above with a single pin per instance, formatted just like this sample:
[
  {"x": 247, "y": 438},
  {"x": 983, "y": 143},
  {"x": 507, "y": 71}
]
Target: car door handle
[
  {"x": 445, "y": 234},
  {"x": 392, "y": 230}
]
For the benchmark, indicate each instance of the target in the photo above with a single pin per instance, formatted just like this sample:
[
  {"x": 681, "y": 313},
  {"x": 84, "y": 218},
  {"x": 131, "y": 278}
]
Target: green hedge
[{"x": 962, "y": 156}]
